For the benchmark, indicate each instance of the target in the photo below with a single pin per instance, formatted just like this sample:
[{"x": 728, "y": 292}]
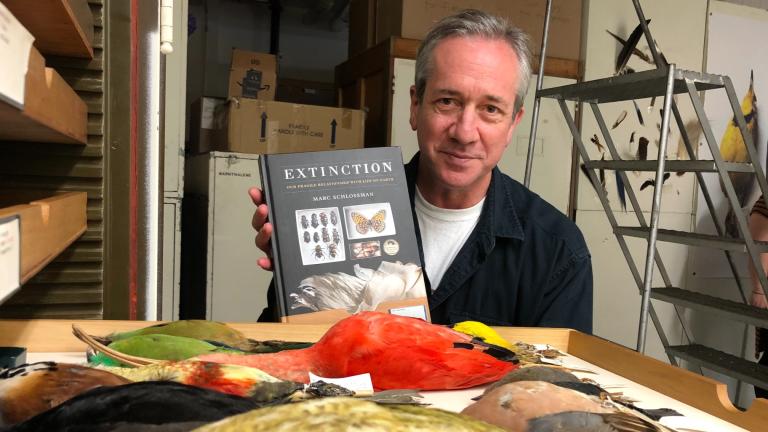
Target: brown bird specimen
[{"x": 30, "y": 389}]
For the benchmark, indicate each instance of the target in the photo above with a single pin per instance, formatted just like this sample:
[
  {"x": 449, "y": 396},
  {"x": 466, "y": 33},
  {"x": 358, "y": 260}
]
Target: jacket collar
[{"x": 499, "y": 213}]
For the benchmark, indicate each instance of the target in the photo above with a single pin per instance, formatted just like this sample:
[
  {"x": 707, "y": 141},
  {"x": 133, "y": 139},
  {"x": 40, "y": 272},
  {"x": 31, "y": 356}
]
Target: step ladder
[{"x": 667, "y": 81}]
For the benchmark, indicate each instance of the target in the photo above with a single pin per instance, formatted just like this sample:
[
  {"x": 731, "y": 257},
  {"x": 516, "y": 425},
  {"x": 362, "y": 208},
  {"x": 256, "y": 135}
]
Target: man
[
  {"x": 758, "y": 228},
  {"x": 493, "y": 251}
]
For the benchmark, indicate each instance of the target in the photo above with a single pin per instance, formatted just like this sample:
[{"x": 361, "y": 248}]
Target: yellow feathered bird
[{"x": 733, "y": 149}]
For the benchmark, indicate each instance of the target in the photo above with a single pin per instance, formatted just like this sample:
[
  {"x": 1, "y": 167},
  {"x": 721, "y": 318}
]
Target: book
[{"x": 343, "y": 239}]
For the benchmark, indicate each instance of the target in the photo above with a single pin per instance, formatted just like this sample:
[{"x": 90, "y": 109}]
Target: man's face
[{"x": 465, "y": 119}]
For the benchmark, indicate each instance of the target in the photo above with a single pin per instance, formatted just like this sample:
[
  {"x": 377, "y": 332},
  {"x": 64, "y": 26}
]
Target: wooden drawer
[
  {"x": 49, "y": 223},
  {"x": 52, "y": 111},
  {"x": 60, "y": 27}
]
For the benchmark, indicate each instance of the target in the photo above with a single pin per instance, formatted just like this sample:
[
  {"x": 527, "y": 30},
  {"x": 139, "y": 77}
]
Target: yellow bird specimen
[{"x": 733, "y": 149}]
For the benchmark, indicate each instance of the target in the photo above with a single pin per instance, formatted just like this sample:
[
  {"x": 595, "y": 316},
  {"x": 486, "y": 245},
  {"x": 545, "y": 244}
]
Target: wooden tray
[
  {"x": 695, "y": 390},
  {"x": 52, "y": 112},
  {"x": 49, "y": 223},
  {"x": 60, "y": 27}
]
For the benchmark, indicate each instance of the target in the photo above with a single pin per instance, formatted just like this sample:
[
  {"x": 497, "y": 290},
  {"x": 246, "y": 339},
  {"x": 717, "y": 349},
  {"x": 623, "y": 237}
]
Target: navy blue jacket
[{"x": 525, "y": 264}]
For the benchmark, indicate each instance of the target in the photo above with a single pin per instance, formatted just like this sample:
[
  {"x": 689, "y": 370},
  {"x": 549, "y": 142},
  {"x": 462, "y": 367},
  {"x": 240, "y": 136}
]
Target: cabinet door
[
  {"x": 552, "y": 160},
  {"x": 169, "y": 309},
  {"x": 237, "y": 286}
]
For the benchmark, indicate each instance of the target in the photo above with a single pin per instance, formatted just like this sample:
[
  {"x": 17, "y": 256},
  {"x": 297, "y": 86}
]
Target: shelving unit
[
  {"x": 44, "y": 177},
  {"x": 666, "y": 81}
]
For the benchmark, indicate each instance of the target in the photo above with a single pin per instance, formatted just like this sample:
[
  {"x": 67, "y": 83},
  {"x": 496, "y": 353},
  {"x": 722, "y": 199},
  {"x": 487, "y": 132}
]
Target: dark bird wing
[
  {"x": 151, "y": 403},
  {"x": 642, "y": 148},
  {"x": 581, "y": 421},
  {"x": 629, "y": 47},
  {"x": 620, "y": 190},
  {"x": 639, "y": 113}
]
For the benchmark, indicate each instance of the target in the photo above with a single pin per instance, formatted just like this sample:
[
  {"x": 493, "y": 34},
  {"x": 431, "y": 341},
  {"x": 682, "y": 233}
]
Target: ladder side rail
[
  {"x": 537, "y": 100},
  {"x": 730, "y": 192},
  {"x": 707, "y": 197},
  {"x": 630, "y": 192},
  {"x": 612, "y": 220},
  {"x": 608, "y": 139},
  {"x": 651, "y": 43},
  {"x": 655, "y": 210}
]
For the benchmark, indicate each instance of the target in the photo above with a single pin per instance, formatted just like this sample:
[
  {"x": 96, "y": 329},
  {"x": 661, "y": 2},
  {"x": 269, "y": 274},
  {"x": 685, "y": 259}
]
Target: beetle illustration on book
[
  {"x": 315, "y": 239},
  {"x": 362, "y": 253}
]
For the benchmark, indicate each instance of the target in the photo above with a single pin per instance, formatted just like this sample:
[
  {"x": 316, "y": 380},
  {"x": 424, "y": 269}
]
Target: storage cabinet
[
  {"x": 57, "y": 190},
  {"x": 221, "y": 278}
]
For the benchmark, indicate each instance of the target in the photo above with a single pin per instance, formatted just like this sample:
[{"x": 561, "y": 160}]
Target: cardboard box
[
  {"x": 256, "y": 126},
  {"x": 49, "y": 223},
  {"x": 52, "y": 111},
  {"x": 305, "y": 92},
  {"x": 414, "y": 18},
  {"x": 252, "y": 75},
  {"x": 201, "y": 123}
]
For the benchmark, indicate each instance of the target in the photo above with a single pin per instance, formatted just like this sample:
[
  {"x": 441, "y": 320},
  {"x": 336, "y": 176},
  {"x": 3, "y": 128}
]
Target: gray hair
[{"x": 472, "y": 22}]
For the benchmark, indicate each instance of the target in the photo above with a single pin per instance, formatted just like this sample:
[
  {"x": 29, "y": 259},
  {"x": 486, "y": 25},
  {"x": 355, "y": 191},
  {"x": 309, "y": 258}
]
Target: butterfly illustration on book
[{"x": 363, "y": 224}]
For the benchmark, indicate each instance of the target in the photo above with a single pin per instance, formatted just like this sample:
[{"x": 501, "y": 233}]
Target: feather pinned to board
[
  {"x": 585, "y": 171},
  {"x": 596, "y": 141},
  {"x": 643, "y": 56},
  {"x": 619, "y": 119},
  {"x": 620, "y": 190},
  {"x": 639, "y": 113},
  {"x": 642, "y": 148},
  {"x": 632, "y": 137},
  {"x": 652, "y": 182},
  {"x": 629, "y": 46},
  {"x": 602, "y": 174}
]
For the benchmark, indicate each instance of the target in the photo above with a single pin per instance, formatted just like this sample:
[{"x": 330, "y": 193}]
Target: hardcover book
[{"x": 343, "y": 239}]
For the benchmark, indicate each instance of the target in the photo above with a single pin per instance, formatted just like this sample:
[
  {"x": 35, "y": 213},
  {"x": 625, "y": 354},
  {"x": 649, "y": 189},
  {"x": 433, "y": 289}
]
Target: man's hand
[
  {"x": 263, "y": 228},
  {"x": 759, "y": 300}
]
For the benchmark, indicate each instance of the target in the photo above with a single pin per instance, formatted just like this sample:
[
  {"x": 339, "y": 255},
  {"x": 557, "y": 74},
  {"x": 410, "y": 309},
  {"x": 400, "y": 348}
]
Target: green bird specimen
[
  {"x": 347, "y": 414},
  {"x": 159, "y": 347},
  {"x": 210, "y": 331}
]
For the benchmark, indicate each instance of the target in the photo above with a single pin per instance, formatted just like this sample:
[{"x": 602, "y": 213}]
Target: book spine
[{"x": 277, "y": 270}]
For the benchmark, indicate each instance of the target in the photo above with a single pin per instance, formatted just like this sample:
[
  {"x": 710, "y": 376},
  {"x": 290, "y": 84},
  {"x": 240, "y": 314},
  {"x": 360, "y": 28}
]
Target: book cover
[{"x": 343, "y": 239}]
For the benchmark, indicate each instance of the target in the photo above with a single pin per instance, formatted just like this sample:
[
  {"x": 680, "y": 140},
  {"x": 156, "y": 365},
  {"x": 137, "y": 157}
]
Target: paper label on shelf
[
  {"x": 15, "y": 43},
  {"x": 10, "y": 256},
  {"x": 357, "y": 383}
]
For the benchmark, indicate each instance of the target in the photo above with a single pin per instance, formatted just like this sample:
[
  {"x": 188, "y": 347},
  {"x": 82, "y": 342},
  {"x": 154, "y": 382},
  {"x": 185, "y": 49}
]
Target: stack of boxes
[{"x": 251, "y": 121}]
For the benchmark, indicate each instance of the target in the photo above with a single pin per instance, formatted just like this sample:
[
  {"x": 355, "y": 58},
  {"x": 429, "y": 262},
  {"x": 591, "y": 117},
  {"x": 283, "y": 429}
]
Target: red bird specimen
[{"x": 398, "y": 352}]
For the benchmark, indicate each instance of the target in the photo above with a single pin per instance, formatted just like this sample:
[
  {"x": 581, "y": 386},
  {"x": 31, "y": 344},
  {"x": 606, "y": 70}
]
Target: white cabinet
[{"x": 221, "y": 278}]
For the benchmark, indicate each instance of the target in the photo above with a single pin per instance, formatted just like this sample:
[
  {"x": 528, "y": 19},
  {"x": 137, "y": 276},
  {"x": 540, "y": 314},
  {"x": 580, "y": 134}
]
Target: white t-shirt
[{"x": 443, "y": 233}]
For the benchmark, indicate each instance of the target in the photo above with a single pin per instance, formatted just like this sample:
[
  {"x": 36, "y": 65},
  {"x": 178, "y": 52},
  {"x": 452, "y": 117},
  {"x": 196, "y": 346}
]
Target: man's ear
[
  {"x": 414, "y": 108},
  {"x": 518, "y": 116}
]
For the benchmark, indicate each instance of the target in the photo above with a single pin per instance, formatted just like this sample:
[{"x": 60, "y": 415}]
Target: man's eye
[
  {"x": 445, "y": 101},
  {"x": 490, "y": 109}
]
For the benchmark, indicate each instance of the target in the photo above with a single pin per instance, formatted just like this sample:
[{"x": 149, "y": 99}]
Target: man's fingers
[
  {"x": 265, "y": 263},
  {"x": 263, "y": 238},
  {"x": 259, "y": 217},
  {"x": 256, "y": 195}
]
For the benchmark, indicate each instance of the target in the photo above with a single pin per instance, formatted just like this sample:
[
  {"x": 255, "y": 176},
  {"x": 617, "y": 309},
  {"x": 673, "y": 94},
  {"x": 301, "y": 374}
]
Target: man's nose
[{"x": 464, "y": 129}]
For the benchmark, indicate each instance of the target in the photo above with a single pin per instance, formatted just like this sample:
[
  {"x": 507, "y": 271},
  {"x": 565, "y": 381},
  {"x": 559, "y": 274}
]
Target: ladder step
[
  {"x": 724, "y": 363},
  {"x": 669, "y": 166},
  {"x": 691, "y": 239},
  {"x": 736, "y": 311},
  {"x": 638, "y": 85}
]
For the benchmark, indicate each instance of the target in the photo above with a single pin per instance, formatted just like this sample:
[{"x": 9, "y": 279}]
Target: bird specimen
[
  {"x": 210, "y": 331},
  {"x": 30, "y": 389},
  {"x": 138, "y": 405},
  {"x": 348, "y": 414},
  {"x": 398, "y": 352},
  {"x": 733, "y": 149}
]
